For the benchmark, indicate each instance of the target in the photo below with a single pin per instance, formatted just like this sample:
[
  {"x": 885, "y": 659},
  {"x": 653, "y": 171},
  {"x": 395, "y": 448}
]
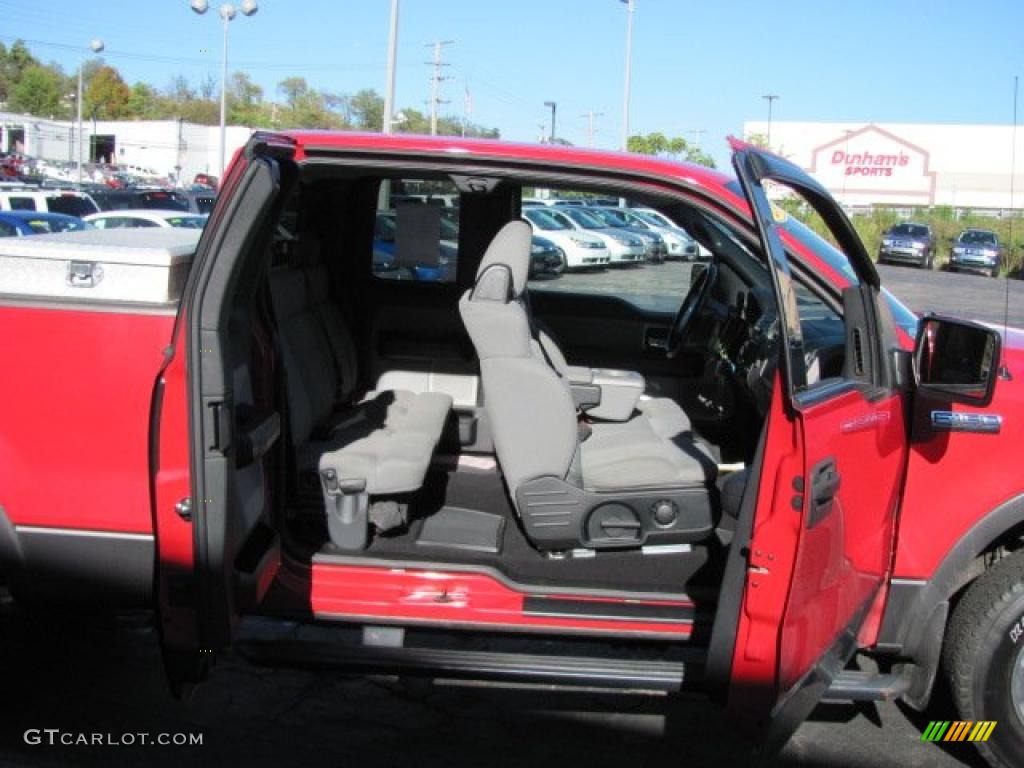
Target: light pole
[
  {"x": 553, "y": 106},
  {"x": 631, "y": 6},
  {"x": 389, "y": 89},
  {"x": 227, "y": 13},
  {"x": 96, "y": 45},
  {"x": 770, "y": 98}
]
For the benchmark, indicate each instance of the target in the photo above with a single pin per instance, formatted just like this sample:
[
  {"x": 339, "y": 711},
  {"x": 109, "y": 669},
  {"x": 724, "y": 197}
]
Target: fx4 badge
[{"x": 947, "y": 421}]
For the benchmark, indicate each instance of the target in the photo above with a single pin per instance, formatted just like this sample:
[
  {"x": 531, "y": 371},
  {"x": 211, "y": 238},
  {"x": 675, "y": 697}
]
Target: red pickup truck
[{"x": 735, "y": 480}]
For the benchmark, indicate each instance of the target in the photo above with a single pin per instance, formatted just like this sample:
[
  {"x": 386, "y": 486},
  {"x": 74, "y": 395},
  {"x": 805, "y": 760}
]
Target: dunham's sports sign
[{"x": 874, "y": 163}]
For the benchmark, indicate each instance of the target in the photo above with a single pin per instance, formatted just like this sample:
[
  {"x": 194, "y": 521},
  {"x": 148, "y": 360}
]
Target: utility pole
[
  {"x": 696, "y": 136},
  {"x": 435, "y": 81},
  {"x": 553, "y": 106},
  {"x": 630, "y": 7},
  {"x": 467, "y": 108},
  {"x": 590, "y": 125},
  {"x": 770, "y": 98},
  {"x": 389, "y": 88}
]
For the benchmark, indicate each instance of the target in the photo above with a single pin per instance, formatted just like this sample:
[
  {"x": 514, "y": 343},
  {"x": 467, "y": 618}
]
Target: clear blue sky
[{"x": 696, "y": 64}]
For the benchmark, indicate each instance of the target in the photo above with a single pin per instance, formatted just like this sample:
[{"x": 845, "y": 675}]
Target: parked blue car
[{"x": 21, "y": 223}]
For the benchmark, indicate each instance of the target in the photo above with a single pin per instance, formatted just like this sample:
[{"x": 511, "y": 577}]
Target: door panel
[
  {"x": 605, "y": 331},
  {"x": 836, "y": 489}
]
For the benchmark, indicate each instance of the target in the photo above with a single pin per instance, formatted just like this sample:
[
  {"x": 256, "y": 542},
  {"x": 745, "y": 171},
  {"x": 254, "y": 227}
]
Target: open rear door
[
  {"x": 216, "y": 434},
  {"x": 821, "y": 526}
]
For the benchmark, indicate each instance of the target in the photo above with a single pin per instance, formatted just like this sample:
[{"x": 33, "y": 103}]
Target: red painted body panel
[
  {"x": 74, "y": 416},
  {"x": 954, "y": 479},
  {"x": 171, "y": 483},
  {"x": 461, "y": 598},
  {"x": 846, "y": 557}
]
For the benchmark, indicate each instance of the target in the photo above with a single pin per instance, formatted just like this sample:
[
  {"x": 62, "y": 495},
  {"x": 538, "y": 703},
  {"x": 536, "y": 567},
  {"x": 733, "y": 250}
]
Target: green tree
[
  {"x": 107, "y": 95},
  {"x": 367, "y": 110},
  {"x": 37, "y": 92},
  {"x": 293, "y": 89},
  {"x": 674, "y": 148},
  {"x": 245, "y": 100},
  {"x": 145, "y": 102},
  {"x": 13, "y": 63}
]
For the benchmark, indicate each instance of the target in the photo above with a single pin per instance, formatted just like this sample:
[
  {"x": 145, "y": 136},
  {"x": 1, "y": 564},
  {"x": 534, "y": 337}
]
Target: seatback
[
  {"x": 328, "y": 314},
  {"x": 311, "y": 381},
  {"x": 530, "y": 408}
]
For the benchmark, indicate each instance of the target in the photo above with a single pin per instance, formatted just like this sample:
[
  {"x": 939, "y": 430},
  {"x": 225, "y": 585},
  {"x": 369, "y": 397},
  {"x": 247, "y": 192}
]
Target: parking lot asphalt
[{"x": 103, "y": 675}]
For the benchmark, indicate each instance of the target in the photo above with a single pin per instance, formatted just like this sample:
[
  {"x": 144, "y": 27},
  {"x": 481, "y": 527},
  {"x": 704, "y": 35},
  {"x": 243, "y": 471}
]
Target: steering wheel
[{"x": 679, "y": 331}]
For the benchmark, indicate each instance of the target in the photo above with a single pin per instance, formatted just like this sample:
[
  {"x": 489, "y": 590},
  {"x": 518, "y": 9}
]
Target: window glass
[
  {"x": 165, "y": 201},
  {"x": 187, "y": 222},
  {"x": 22, "y": 204},
  {"x": 72, "y": 205},
  {"x": 566, "y": 256},
  {"x": 7, "y": 230},
  {"x": 416, "y": 231}
]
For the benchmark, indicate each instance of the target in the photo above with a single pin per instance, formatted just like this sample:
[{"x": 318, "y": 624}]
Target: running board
[
  {"x": 523, "y": 668},
  {"x": 854, "y": 685}
]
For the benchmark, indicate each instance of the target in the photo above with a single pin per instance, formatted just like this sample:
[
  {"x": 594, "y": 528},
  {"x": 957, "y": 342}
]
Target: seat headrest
[{"x": 510, "y": 248}]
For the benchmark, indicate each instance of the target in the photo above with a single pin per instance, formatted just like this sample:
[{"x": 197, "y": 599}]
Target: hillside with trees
[{"x": 29, "y": 86}]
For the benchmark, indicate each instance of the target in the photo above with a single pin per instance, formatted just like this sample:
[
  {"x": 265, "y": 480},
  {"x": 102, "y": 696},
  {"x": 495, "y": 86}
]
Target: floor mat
[
  {"x": 464, "y": 529},
  {"x": 631, "y": 570}
]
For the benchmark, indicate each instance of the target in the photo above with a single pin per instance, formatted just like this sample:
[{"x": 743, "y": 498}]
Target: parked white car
[
  {"x": 624, "y": 246},
  {"x": 688, "y": 250},
  {"x": 582, "y": 249},
  {"x": 145, "y": 217}
]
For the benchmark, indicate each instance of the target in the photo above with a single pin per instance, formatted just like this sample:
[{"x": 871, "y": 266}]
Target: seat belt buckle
[{"x": 334, "y": 486}]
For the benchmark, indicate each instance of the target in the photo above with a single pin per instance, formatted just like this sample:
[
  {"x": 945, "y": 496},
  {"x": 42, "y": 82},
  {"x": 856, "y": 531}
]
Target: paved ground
[
  {"x": 104, "y": 676},
  {"x": 969, "y": 296}
]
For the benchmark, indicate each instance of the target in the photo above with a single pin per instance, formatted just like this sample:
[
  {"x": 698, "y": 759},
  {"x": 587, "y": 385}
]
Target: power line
[
  {"x": 435, "y": 81},
  {"x": 590, "y": 125}
]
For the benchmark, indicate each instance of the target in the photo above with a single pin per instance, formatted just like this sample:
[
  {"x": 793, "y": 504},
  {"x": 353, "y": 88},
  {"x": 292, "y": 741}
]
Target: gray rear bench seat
[{"x": 367, "y": 451}]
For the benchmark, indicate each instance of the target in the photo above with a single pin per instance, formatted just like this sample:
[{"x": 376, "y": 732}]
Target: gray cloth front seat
[
  {"x": 623, "y": 486},
  {"x": 665, "y": 416}
]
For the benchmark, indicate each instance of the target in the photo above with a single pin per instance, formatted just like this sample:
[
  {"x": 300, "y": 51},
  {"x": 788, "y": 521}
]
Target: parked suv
[
  {"x": 66, "y": 201},
  {"x": 976, "y": 250},
  {"x": 908, "y": 243}
]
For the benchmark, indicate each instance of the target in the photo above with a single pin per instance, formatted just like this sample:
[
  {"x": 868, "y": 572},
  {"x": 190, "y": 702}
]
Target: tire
[{"x": 984, "y": 644}]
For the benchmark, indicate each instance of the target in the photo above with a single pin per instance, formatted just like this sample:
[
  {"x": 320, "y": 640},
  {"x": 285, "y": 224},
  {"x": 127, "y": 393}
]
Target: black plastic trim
[
  {"x": 722, "y": 644},
  {"x": 11, "y": 557},
  {"x": 85, "y": 567},
  {"x": 473, "y": 665},
  {"x": 607, "y": 610}
]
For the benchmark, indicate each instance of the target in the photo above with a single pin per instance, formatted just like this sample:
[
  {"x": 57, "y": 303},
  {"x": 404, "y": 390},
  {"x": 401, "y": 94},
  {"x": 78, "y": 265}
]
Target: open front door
[
  {"x": 821, "y": 537},
  {"x": 216, "y": 436}
]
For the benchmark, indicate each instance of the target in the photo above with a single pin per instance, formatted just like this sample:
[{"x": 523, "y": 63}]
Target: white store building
[
  {"x": 905, "y": 164},
  {"x": 160, "y": 145}
]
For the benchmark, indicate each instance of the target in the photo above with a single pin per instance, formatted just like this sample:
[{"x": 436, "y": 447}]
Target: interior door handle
[
  {"x": 656, "y": 337},
  {"x": 825, "y": 482}
]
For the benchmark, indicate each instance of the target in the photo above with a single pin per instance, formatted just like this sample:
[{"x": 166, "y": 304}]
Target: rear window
[
  {"x": 72, "y": 205},
  {"x": 46, "y": 226},
  {"x": 167, "y": 201},
  {"x": 414, "y": 241},
  {"x": 187, "y": 222},
  {"x": 7, "y": 230}
]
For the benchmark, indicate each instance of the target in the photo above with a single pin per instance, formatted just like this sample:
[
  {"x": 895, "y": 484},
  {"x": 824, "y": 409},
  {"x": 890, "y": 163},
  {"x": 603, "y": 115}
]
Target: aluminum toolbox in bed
[{"x": 116, "y": 266}]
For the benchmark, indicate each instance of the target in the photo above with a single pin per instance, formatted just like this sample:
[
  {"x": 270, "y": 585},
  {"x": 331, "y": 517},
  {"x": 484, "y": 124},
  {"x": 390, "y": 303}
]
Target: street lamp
[
  {"x": 553, "y": 106},
  {"x": 631, "y": 6},
  {"x": 96, "y": 45},
  {"x": 770, "y": 98},
  {"x": 227, "y": 13},
  {"x": 389, "y": 84}
]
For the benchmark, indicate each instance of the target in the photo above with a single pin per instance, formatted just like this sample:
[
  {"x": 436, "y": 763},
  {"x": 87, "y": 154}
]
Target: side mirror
[{"x": 956, "y": 359}]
